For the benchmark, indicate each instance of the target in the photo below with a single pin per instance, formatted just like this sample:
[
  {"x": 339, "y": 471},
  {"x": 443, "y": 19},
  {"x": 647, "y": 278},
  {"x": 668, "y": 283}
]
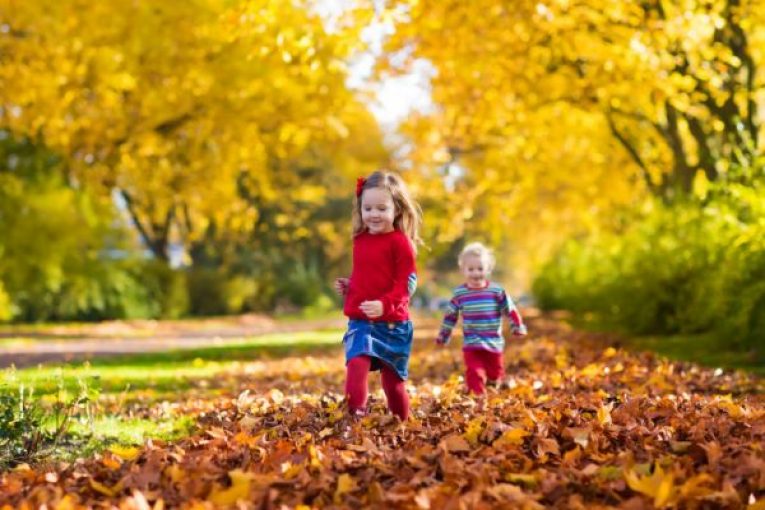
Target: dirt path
[{"x": 72, "y": 343}]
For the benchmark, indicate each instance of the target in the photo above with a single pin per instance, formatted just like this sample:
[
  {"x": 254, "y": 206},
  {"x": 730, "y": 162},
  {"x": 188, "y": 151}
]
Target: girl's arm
[
  {"x": 450, "y": 320},
  {"x": 404, "y": 279},
  {"x": 511, "y": 311}
]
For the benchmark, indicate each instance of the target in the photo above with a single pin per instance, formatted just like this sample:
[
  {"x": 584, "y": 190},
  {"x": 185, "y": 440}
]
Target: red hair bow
[{"x": 360, "y": 185}]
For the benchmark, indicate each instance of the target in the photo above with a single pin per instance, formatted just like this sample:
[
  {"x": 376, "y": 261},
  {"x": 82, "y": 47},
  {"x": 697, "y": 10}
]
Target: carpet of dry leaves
[{"x": 578, "y": 425}]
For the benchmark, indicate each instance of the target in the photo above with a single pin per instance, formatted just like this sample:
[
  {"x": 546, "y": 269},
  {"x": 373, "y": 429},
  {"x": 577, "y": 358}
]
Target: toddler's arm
[
  {"x": 450, "y": 320},
  {"x": 511, "y": 311}
]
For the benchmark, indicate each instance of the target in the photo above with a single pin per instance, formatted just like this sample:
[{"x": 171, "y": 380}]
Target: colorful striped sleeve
[
  {"x": 450, "y": 320},
  {"x": 511, "y": 311}
]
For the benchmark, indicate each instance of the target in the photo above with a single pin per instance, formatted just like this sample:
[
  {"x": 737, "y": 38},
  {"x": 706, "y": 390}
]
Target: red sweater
[{"x": 384, "y": 270}]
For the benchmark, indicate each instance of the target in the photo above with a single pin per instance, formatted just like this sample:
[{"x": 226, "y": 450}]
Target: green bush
[
  {"x": 687, "y": 268},
  {"x": 213, "y": 292},
  {"x": 108, "y": 290},
  {"x": 58, "y": 244},
  {"x": 164, "y": 286},
  {"x": 302, "y": 285}
]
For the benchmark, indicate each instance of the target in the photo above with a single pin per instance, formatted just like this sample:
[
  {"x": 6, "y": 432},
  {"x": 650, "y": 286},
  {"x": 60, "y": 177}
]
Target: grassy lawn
[
  {"x": 705, "y": 350},
  {"x": 129, "y": 398},
  {"x": 171, "y": 370}
]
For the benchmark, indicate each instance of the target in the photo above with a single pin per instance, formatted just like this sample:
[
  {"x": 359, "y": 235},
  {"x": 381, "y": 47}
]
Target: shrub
[{"x": 687, "y": 268}]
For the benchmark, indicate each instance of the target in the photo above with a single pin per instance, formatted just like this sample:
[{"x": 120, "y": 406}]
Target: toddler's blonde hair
[{"x": 480, "y": 250}]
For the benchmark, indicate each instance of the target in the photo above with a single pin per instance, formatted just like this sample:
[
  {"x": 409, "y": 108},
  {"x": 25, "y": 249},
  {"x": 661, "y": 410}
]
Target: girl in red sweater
[{"x": 386, "y": 224}]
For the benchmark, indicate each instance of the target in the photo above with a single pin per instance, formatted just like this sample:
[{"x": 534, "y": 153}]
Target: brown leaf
[{"x": 454, "y": 443}]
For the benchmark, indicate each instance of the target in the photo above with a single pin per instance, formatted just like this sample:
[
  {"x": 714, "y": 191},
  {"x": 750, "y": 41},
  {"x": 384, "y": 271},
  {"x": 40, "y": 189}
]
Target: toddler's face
[
  {"x": 476, "y": 270},
  {"x": 377, "y": 210}
]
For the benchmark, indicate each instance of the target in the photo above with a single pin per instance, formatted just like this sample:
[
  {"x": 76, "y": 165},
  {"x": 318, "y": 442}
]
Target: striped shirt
[{"x": 482, "y": 310}]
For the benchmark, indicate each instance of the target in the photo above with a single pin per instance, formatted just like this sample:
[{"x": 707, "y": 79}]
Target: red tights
[
  {"x": 480, "y": 366},
  {"x": 356, "y": 390}
]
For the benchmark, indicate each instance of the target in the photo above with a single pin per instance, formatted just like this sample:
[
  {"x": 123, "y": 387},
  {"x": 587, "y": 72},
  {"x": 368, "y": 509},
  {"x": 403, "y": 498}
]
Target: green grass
[
  {"x": 171, "y": 370},
  {"x": 132, "y": 431},
  {"x": 704, "y": 349},
  {"x": 143, "y": 380}
]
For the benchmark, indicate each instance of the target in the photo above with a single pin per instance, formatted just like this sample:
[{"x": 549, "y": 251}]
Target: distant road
[{"x": 70, "y": 343}]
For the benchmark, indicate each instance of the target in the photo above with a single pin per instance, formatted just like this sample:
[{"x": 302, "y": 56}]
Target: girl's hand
[
  {"x": 341, "y": 286},
  {"x": 372, "y": 309}
]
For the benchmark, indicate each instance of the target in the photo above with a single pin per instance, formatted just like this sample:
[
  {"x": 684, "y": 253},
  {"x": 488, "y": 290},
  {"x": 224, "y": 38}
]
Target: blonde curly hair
[{"x": 478, "y": 250}]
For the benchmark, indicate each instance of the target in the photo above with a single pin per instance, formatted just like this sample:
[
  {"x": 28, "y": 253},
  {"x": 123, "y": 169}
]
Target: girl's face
[
  {"x": 377, "y": 210},
  {"x": 475, "y": 270}
]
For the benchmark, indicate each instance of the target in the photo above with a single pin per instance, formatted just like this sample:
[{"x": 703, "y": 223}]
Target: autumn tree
[
  {"x": 550, "y": 113},
  {"x": 175, "y": 106}
]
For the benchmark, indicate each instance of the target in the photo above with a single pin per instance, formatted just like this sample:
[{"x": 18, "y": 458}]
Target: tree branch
[{"x": 632, "y": 151}]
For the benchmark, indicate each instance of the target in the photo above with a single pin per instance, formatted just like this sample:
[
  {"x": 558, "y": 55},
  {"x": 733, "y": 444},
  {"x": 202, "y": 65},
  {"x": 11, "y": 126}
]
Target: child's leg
[
  {"x": 495, "y": 366},
  {"x": 475, "y": 373},
  {"x": 356, "y": 387},
  {"x": 395, "y": 391}
]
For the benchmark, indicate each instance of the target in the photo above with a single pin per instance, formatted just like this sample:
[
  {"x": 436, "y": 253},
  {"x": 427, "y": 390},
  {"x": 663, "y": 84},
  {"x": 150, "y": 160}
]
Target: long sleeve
[
  {"x": 404, "y": 282},
  {"x": 511, "y": 311},
  {"x": 450, "y": 320}
]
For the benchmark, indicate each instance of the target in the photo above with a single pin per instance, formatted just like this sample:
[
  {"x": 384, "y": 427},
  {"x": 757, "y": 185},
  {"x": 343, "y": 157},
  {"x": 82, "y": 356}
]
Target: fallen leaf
[
  {"x": 454, "y": 443},
  {"x": 241, "y": 483}
]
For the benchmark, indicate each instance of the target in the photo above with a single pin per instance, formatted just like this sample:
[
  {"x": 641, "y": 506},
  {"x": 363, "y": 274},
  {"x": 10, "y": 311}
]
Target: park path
[{"x": 22, "y": 347}]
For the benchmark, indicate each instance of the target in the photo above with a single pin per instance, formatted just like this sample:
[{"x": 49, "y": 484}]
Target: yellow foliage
[
  {"x": 241, "y": 483},
  {"x": 345, "y": 484},
  {"x": 659, "y": 485},
  {"x": 179, "y": 108},
  {"x": 473, "y": 430},
  {"x": 513, "y": 436},
  {"x": 125, "y": 452}
]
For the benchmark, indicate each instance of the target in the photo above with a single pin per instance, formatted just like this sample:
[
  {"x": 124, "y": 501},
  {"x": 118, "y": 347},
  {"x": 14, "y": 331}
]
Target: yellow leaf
[
  {"x": 125, "y": 452},
  {"x": 604, "y": 415},
  {"x": 345, "y": 484},
  {"x": 512, "y": 436},
  {"x": 290, "y": 470},
  {"x": 572, "y": 456},
  {"x": 592, "y": 370},
  {"x": 693, "y": 487},
  {"x": 66, "y": 503},
  {"x": 241, "y": 483},
  {"x": 175, "y": 473},
  {"x": 101, "y": 488},
  {"x": 735, "y": 411},
  {"x": 659, "y": 486},
  {"x": 521, "y": 479},
  {"x": 111, "y": 462},
  {"x": 473, "y": 430}
]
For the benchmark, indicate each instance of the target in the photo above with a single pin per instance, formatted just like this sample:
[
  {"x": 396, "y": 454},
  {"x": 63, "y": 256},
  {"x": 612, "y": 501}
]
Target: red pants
[
  {"x": 356, "y": 390},
  {"x": 481, "y": 366}
]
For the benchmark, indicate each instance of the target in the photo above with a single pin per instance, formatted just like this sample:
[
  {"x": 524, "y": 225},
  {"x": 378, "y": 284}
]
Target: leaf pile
[{"x": 575, "y": 426}]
